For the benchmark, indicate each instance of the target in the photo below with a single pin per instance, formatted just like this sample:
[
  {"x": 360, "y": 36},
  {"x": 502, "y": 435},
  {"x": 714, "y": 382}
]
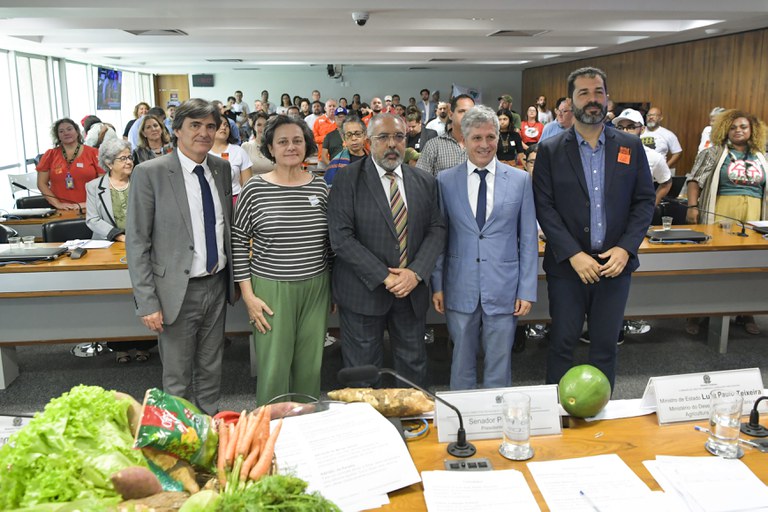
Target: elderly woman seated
[{"x": 107, "y": 203}]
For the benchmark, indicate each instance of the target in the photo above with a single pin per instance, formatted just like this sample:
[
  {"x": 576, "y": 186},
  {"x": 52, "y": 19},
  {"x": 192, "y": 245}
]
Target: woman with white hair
[
  {"x": 107, "y": 195},
  {"x": 106, "y": 207}
]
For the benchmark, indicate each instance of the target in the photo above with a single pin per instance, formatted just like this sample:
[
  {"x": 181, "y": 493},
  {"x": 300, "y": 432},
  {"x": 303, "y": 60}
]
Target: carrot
[
  {"x": 230, "y": 442},
  {"x": 248, "y": 464},
  {"x": 254, "y": 433},
  {"x": 263, "y": 433},
  {"x": 221, "y": 465},
  {"x": 244, "y": 445},
  {"x": 265, "y": 460}
]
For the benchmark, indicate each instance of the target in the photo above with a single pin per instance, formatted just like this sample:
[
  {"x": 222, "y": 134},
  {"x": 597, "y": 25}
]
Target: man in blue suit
[
  {"x": 594, "y": 202},
  {"x": 486, "y": 277}
]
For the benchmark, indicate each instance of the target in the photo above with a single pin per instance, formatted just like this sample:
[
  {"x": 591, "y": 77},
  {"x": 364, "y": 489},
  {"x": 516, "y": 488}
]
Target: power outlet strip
[{"x": 480, "y": 464}]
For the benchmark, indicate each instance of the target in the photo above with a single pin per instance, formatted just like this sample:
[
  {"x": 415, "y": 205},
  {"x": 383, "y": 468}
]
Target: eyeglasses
[
  {"x": 353, "y": 135},
  {"x": 384, "y": 137},
  {"x": 123, "y": 159},
  {"x": 628, "y": 127}
]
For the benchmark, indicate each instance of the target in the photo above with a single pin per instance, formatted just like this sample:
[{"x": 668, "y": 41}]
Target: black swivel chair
[
  {"x": 6, "y": 232},
  {"x": 67, "y": 229},
  {"x": 32, "y": 202}
]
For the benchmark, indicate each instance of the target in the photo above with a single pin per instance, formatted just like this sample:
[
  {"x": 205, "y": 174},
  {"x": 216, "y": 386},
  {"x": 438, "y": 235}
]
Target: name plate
[
  {"x": 481, "y": 410},
  {"x": 686, "y": 397}
]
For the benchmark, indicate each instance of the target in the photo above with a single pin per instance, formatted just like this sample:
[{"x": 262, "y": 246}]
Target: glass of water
[
  {"x": 724, "y": 422},
  {"x": 516, "y": 417}
]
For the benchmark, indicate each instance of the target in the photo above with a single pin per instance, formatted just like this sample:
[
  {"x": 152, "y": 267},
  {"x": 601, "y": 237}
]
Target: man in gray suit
[
  {"x": 179, "y": 254},
  {"x": 387, "y": 232}
]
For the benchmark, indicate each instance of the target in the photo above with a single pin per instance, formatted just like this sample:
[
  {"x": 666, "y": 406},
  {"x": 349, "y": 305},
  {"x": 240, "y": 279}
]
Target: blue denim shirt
[{"x": 593, "y": 163}]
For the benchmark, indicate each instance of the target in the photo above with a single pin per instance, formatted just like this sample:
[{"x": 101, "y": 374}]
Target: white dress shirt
[
  {"x": 195, "y": 200},
  {"x": 385, "y": 183},
  {"x": 473, "y": 186}
]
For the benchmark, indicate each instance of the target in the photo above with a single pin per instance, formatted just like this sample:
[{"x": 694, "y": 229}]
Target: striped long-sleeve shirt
[{"x": 288, "y": 227}]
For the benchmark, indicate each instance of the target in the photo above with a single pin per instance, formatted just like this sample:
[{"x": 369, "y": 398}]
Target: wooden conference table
[
  {"x": 633, "y": 439},
  {"x": 70, "y": 301},
  {"x": 34, "y": 226}
]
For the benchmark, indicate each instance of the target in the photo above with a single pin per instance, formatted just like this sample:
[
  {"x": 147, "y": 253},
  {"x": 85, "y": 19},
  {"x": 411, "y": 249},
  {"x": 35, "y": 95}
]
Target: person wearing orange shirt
[{"x": 326, "y": 123}]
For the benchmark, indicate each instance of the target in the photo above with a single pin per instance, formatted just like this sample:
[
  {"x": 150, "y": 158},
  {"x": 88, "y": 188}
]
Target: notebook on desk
[
  {"x": 761, "y": 226},
  {"x": 671, "y": 236},
  {"x": 32, "y": 254}
]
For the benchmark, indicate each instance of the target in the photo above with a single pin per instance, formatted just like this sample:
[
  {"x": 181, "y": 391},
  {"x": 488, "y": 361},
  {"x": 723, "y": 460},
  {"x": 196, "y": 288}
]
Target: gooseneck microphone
[
  {"x": 689, "y": 207},
  {"x": 63, "y": 200},
  {"x": 461, "y": 448},
  {"x": 754, "y": 428}
]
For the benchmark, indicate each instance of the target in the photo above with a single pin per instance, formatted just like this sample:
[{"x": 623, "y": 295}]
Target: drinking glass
[
  {"x": 724, "y": 422},
  {"x": 516, "y": 415}
]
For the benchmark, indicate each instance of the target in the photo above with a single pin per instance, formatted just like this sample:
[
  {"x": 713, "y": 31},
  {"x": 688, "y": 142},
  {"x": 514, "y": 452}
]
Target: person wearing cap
[
  {"x": 631, "y": 121},
  {"x": 505, "y": 103},
  {"x": 333, "y": 142},
  {"x": 326, "y": 123},
  {"x": 388, "y": 108}
]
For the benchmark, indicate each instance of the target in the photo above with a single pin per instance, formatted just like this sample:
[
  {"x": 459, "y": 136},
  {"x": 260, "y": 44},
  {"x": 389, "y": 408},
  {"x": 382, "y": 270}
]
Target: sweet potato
[{"x": 136, "y": 482}]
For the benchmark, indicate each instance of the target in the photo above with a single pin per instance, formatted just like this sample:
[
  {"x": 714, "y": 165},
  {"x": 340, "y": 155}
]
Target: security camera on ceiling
[{"x": 360, "y": 18}]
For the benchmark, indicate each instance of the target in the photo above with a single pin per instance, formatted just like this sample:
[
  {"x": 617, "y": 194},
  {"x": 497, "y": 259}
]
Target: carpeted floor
[{"x": 49, "y": 370}]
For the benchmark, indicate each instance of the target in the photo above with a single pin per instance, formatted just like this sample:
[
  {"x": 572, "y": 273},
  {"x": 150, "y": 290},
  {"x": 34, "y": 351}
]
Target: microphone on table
[
  {"x": 754, "y": 428},
  {"x": 687, "y": 206},
  {"x": 63, "y": 200},
  {"x": 461, "y": 448}
]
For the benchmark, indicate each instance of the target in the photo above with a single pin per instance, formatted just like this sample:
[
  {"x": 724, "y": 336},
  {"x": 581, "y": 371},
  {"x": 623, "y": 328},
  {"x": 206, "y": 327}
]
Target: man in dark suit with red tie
[
  {"x": 387, "y": 232},
  {"x": 594, "y": 201}
]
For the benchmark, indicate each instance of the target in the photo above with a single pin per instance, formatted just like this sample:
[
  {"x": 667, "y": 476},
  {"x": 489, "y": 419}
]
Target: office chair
[
  {"x": 61, "y": 231},
  {"x": 32, "y": 202},
  {"x": 67, "y": 229},
  {"x": 6, "y": 232}
]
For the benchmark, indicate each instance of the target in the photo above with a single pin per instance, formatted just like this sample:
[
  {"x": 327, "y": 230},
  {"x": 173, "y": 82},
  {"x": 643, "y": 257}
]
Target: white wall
[{"x": 367, "y": 83}]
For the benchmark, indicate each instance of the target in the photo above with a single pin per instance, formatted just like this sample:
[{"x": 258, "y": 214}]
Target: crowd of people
[{"x": 381, "y": 210}]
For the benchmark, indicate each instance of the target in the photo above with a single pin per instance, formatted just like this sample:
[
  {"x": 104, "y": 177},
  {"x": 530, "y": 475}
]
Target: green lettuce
[{"x": 69, "y": 451}]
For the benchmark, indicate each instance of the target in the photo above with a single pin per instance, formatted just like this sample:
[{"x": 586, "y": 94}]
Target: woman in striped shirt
[{"x": 281, "y": 259}]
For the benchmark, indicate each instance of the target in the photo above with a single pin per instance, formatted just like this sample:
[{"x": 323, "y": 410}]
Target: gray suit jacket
[
  {"x": 364, "y": 239},
  {"x": 159, "y": 241},
  {"x": 98, "y": 209}
]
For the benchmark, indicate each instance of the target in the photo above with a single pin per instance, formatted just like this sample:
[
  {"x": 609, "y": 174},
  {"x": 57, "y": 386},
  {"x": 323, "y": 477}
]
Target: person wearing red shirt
[
  {"x": 64, "y": 170},
  {"x": 531, "y": 128}
]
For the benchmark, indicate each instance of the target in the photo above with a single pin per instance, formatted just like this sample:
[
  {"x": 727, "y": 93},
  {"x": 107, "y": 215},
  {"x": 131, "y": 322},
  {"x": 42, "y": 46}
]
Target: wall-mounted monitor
[
  {"x": 109, "y": 89},
  {"x": 202, "y": 80}
]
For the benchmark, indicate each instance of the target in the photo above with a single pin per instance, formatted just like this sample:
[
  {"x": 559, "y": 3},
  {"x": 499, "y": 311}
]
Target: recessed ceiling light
[{"x": 481, "y": 19}]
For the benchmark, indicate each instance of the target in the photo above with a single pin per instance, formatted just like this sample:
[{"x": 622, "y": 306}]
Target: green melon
[{"x": 584, "y": 391}]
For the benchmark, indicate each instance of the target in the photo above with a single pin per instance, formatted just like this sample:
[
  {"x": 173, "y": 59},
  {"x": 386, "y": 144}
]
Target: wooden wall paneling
[{"x": 685, "y": 80}]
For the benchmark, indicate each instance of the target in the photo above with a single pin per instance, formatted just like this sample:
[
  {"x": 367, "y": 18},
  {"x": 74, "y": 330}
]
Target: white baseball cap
[{"x": 630, "y": 114}]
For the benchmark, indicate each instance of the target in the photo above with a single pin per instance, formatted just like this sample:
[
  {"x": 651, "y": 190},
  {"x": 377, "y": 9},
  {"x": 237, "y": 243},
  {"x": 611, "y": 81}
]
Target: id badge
[{"x": 69, "y": 181}]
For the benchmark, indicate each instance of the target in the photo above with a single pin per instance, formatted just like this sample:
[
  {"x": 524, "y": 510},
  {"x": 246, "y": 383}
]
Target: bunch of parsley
[{"x": 278, "y": 493}]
